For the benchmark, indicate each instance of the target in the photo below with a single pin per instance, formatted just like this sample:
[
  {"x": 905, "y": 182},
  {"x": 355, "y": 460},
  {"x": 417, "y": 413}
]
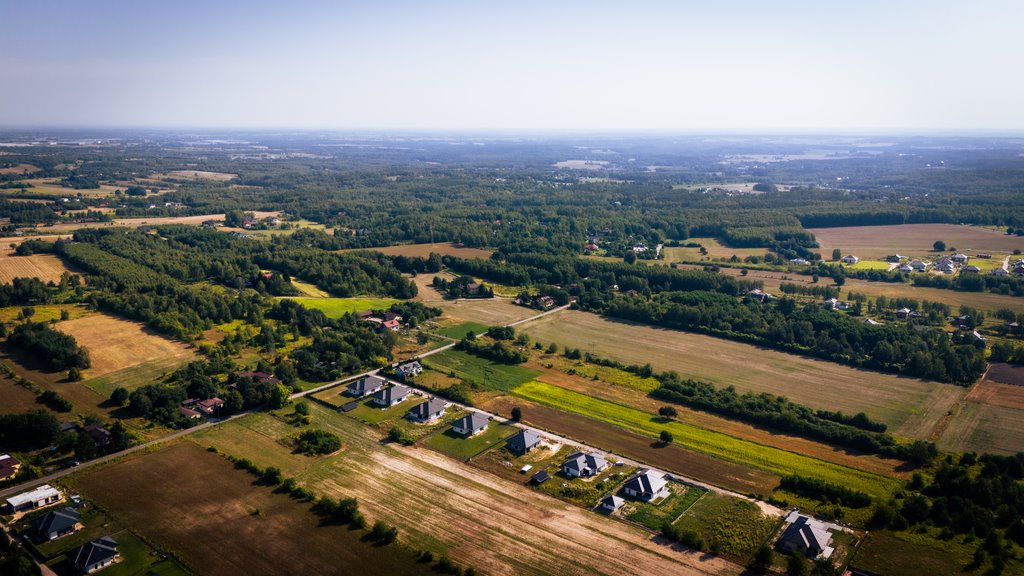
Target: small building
[
  {"x": 365, "y": 386},
  {"x": 906, "y": 269},
  {"x": 972, "y": 269},
  {"x": 210, "y": 406},
  {"x": 872, "y": 322},
  {"x": 471, "y": 424},
  {"x": 409, "y": 369},
  {"x": 391, "y": 395},
  {"x": 100, "y": 435},
  {"x": 95, "y": 555},
  {"x": 540, "y": 477},
  {"x": 1000, "y": 272},
  {"x": 432, "y": 409},
  {"x": 189, "y": 413},
  {"x": 647, "y": 485},
  {"x": 919, "y": 265},
  {"x": 260, "y": 377},
  {"x": 583, "y": 465},
  {"x": 903, "y": 313},
  {"x": 759, "y": 295},
  {"x": 9, "y": 466},
  {"x": 391, "y": 325},
  {"x": 799, "y": 261},
  {"x": 894, "y": 258},
  {"x": 58, "y": 523},
  {"x": 611, "y": 503},
  {"x": 961, "y": 258},
  {"x": 523, "y": 441},
  {"x": 805, "y": 535},
  {"x": 41, "y": 496},
  {"x": 836, "y": 304},
  {"x": 473, "y": 288},
  {"x": 849, "y": 259}
]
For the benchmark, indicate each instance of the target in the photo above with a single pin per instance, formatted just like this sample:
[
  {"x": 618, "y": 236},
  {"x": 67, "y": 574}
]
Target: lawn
[
  {"x": 868, "y": 265},
  {"x": 338, "y": 307},
  {"x": 480, "y": 371},
  {"x": 369, "y": 413},
  {"x": 712, "y": 443},
  {"x": 654, "y": 515},
  {"x": 459, "y": 331},
  {"x": 447, "y": 442},
  {"x": 737, "y": 526}
]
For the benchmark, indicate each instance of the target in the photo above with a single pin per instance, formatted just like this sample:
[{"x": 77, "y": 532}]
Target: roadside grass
[
  {"x": 459, "y": 331},
  {"x": 338, "y": 307},
  {"x": 654, "y": 515},
  {"x": 709, "y": 442},
  {"x": 735, "y": 525},
  {"x": 448, "y": 442},
  {"x": 480, "y": 371}
]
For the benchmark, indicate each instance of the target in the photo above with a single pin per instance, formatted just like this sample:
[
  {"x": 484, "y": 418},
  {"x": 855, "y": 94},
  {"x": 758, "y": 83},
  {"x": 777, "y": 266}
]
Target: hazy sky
[{"x": 515, "y": 65}]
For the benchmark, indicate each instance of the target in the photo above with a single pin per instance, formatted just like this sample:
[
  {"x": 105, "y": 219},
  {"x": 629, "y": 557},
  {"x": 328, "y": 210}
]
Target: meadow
[
  {"x": 472, "y": 368},
  {"x": 338, "y": 307},
  {"x": 654, "y": 514},
  {"x": 737, "y": 526}
]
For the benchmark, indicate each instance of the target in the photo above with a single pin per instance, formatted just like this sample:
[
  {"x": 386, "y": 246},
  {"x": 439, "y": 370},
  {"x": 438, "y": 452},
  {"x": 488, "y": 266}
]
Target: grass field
[
  {"x": 195, "y": 175},
  {"x": 869, "y": 265},
  {"x": 44, "y": 313},
  {"x": 447, "y": 442},
  {"x": 876, "y": 242},
  {"x": 655, "y": 515},
  {"x": 715, "y": 444},
  {"x": 458, "y": 331},
  {"x": 715, "y": 250},
  {"x": 217, "y": 521},
  {"x": 115, "y": 344},
  {"x": 338, "y": 307},
  {"x": 910, "y": 554},
  {"x": 910, "y": 407},
  {"x": 438, "y": 503},
  {"x": 309, "y": 290},
  {"x": 737, "y": 526},
  {"x": 15, "y": 398},
  {"x": 472, "y": 368},
  {"x": 424, "y": 250},
  {"x": 486, "y": 311},
  {"x": 982, "y": 426}
]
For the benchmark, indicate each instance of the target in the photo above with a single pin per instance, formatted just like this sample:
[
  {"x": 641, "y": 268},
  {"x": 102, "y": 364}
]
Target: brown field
[
  {"x": 46, "y": 267},
  {"x": 490, "y": 311},
  {"x": 218, "y": 522},
  {"x": 425, "y": 292},
  {"x": 993, "y": 393},
  {"x": 909, "y": 406},
  {"x": 977, "y": 427},
  {"x": 196, "y": 175},
  {"x": 16, "y": 399},
  {"x": 115, "y": 344},
  {"x": 20, "y": 169},
  {"x": 876, "y": 242},
  {"x": 1006, "y": 374},
  {"x": 437, "y": 503},
  {"x": 424, "y": 250},
  {"x": 136, "y": 222}
]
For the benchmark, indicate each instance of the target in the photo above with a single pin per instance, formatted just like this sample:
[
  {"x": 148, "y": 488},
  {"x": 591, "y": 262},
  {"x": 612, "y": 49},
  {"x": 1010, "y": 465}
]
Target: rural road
[{"x": 24, "y": 486}]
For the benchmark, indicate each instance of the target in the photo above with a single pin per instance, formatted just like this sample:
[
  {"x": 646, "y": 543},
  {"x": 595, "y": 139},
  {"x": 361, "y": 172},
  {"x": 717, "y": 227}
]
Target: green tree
[
  {"x": 796, "y": 565},
  {"x": 837, "y": 254},
  {"x": 762, "y": 560},
  {"x": 517, "y": 413},
  {"x": 278, "y": 397},
  {"x": 939, "y": 246},
  {"x": 668, "y": 412},
  {"x": 85, "y": 448},
  {"x": 119, "y": 396},
  {"x": 666, "y": 437}
]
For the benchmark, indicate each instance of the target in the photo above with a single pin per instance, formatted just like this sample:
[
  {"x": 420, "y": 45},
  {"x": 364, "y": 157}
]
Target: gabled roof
[
  {"x": 410, "y": 368},
  {"x": 580, "y": 460},
  {"x": 523, "y": 440},
  {"x": 366, "y": 384},
  {"x": 392, "y": 393},
  {"x": 646, "y": 482},
  {"x": 472, "y": 421},
  {"x": 98, "y": 433},
  {"x": 612, "y": 502},
  {"x": 7, "y": 465},
  {"x": 806, "y": 534},
  {"x": 57, "y": 521},
  {"x": 95, "y": 552},
  {"x": 428, "y": 408}
]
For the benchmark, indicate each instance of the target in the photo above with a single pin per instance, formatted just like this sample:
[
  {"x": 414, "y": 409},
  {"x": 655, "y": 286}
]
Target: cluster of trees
[
  {"x": 497, "y": 351},
  {"x": 824, "y": 491},
  {"x": 22, "y": 291},
  {"x": 30, "y": 430},
  {"x": 60, "y": 350},
  {"x": 342, "y": 346},
  {"x": 314, "y": 442},
  {"x": 460, "y": 288},
  {"x": 972, "y": 283},
  {"x": 1003, "y": 351},
  {"x": 787, "y": 241},
  {"x": 823, "y": 292}
]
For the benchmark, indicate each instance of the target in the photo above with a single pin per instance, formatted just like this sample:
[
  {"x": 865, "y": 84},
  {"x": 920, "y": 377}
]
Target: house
[
  {"x": 919, "y": 265},
  {"x": 850, "y": 259},
  {"x": 392, "y": 316},
  {"x": 759, "y": 295},
  {"x": 583, "y": 465},
  {"x": 409, "y": 370},
  {"x": 260, "y": 377},
  {"x": 189, "y": 413},
  {"x": 471, "y": 424},
  {"x": 58, "y": 523},
  {"x": 432, "y": 409},
  {"x": 977, "y": 336},
  {"x": 805, "y": 535},
  {"x": 392, "y": 325},
  {"x": 95, "y": 555},
  {"x": 100, "y": 435},
  {"x": 799, "y": 261},
  {"x": 611, "y": 503},
  {"x": 646, "y": 485},
  {"x": 210, "y": 406},
  {"x": 523, "y": 441},
  {"x": 592, "y": 247},
  {"x": 872, "y": 322},
  {"x": 365, "y": 386},
  {"x": 41, "y": 496},
  {"x": 546, "y": 302},
  {"x": 906, "y": 269},
  {"x": 9, "y": 466},
  {"x": 1000, "y": 272},
  {"x": 971, "y": 269},
  {"x": 639, "y": 248},
  {"x": 894, "y": 259},
  {"x": 903, "y": 313},
  {"x": 473, "y": 288},
  {"x": 835, "y": 304},
  {"x": 946, "y": 266},
  {"x": 961, "y": 258},
  {"x": 390, "y": 396}
]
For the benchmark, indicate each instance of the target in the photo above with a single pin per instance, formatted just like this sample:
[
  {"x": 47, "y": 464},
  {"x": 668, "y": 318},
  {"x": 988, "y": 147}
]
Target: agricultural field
[
  {"x": 194, "y": 175},
  {"x": 877, "y": 242},
  {"x": 715, "y": 444},
  {"x": 218, "y": 522},
  {"x": 714, "y": 247},
  {"x": 472, "y": 368},
  {"x": 136, "y": 222},
  {"x": 737, "y": 526},
  {"x": 909, "y": 406},
  {"x": 911, "y": 554},
  {"x": 44, "y": 313},
  {"x": 990, "y": 419},
  {"x": 338, "y": 307},
  {"x": 51, "y": 186},
  {"x": 15, "y": 398},
  {"x": 440, "y": 504},
  {"x": 425, "y": 250},
  {"x": 309, "y": 290},
  {"x": 486, "y": 311},
  {"x": 46, "y": 267}
]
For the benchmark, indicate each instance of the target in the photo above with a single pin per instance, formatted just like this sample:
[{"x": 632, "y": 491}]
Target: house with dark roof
[
  {"x": 646, "y": 485},
  {"x": 94, "y": 555},
  {"x": 409, "y": 369},
  {"x": 432, "y": 409},
  {"x": 260, "y": 377},
  {"x": 189, "y": 413},
  {"x": 391, "y": 395},
  {"x": 583, "y": 465},
  {"x": 523, "y": 441},
  {"x": 471, "y": 424},
  {"x": 805, "y": 535},
  {"x": 58, "y": 523},
  {"x": 611, "y": 503},
  {"x": 365, "y": 386},
  {"x": 99, "y": 435},
  {"x": 9, "y": 466}
]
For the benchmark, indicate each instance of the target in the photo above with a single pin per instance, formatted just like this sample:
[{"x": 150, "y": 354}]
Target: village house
[
  {"x": 646, "y": 485},
  {"x": 473, "y": 288},
  {"x": 390, "y": 396},
  {"x": 432, "y": 409},
  {"x": 945, "y": 266},
  {"x": 210, "y": 406},
  {"x": 894, "y": 259},
  {"x": 805, "y": 535},
  {"x": 58, "y": 523},
  {"x": 471, "y": 424},
  {"x": 365, "y": 386},
  {"x": 260, "y": 377},
  {"x": 391, "y": 325},
  {"x": 919, "y": 265},
  {"x": 583, "y": 465},
  {"x": 189, "y": 413},
  {"x": 1000, "y": 272},
  {"x": 759, "y": 295},
  {"x": 523, "y": 441},
  {"x": 545, "y": 302},
  {"x": 611, "y": 503},
  {"x": 971, "y": 269},
  {"x": 836, "y": 304},
  {"x": 94, "y": 555},
  {"x": 799, "y": 261},
  {"x": 961, "y": 258},
  {"x": 409, "y": 369},
  {"x": 41, "y": 496},
  {"x": 100, "y": 435},
  {"x": 850, "y": 259},
  {"x": 9, "y": 466},
  {"x": 906, "y": 269}
]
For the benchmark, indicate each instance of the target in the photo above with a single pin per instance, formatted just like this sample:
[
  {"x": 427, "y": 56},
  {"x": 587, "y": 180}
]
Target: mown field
[
  {"x": 982, "y": 424},
  {"x": 715, "y": 444},
  {"x": 338, "y": 307},
  {"x": 45, "y": 267},
  {"x": 909, "y": 406},
  {"x": 501, "y": 377},
  {"x": 909, "y": 554},
  {"x": 486, "y": 311},
  {"x": 115, "y": 344},
  {"x": 714, "y": 247},
  {"x": 496, "y": 526},
  {"x": 447, "y": 442},
  {"x": 877, "y": 242},
  {"x": 425, "y": 250}
]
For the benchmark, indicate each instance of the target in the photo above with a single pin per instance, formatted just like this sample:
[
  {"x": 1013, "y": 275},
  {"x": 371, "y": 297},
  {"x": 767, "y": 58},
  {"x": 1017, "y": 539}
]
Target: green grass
[
  {"x": 577, "y": 490},
  {"x": 737, "y": 526},
  {"x": 909, "y": 554},
  {"x": 459, "y": 331},
  {"x": 447, "y": 442},
  {"x": 613, "y": 376},
  {"x": 136, "y": 558},
  {"x": 474, "y": 369},
  {"x": 369, "y": 413},
  {"x": 668, "y": 509},
  {"x": 868, "y": 265},
  {"x": 713, "y": 443},
  {"x": 134, "y": 376},
  {"x": 338, "y": 307}
]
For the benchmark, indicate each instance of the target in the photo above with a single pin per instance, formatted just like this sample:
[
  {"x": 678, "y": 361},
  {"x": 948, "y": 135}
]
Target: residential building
[
  {"x": 971, "y": 269},
  {"x": 849, "y": 259},
  {"x": 611, "y": 503},
  {"x": 409, "y": 369},
  {"x": 100, "y": 435},
  {"x": 58, "y": 523},
  {"x": 37, "y": 498},
  {"x": 391, "y": 395},
  {"x": 523, "y": 441},
  {"x": 365, "y": 386},
  {"x": 9, "y": 466},
  {"x": 210, "y": 406},
  {"x": 471, "y": 424},
  {"x": 805, "y": 535},
  {"x": 94, "y": 555},
  {"x": 646, "y": 485},
  {"x": 432, "y": 409},
  {"x": 583, "y": 465}
]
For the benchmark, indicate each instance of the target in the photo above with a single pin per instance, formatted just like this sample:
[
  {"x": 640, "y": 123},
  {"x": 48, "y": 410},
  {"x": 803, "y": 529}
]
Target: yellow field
[
  {"x": 115, "y": 344},
  {"x": 46, "y": 267},
  {"x": 877, "y": 242}
]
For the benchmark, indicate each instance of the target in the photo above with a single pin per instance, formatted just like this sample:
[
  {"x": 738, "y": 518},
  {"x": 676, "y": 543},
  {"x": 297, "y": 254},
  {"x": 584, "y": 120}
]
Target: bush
[
  {"x": 55, "y": 401},
  {"x": 820, "y": 490},
  {"x": 517, "y": 413},
  {"x": 383, "y": 533},
  {"x": 119, "y": 396},
  {"x": 666, "y": 437},
  {"x": 397, "y": 434},
  {"x": 314, "y": 442}
]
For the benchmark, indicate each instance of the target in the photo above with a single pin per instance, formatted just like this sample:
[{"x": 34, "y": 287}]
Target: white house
[
  {"x": 850, "y": 259},
  {"x": 41, "y": 496},
  {"x": 391, "y": 395},
  {"x": 647, "y": 485},
  {"x": 472, "y": 424},
  {"x": 582, "y": 465}
]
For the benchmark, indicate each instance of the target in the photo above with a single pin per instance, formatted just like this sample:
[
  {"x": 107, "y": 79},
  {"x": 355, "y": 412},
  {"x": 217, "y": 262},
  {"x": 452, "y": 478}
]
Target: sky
[{"x": 517, "y": 65}]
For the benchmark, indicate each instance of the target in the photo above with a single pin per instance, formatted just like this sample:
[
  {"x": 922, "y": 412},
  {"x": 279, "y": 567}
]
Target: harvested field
[
  {"x": 1006, "y": 373},
  {"x": 16, "y": 399},
  {"x": 46, "y": 267},
  {"x": 909, "y": 406},
  {"x": 196, "y": 175},
  {"x": 877, "y": 242},
  {"x": 424, "y": 250},
  {"x": 977, "y": 427},
  {"x": 481, "y": 371},
  {"x": 425, "y": 292},
  {"x": 218, "y": 522},
  {"x": 714, "y": 247},
  {"x": 994, "y": 393},
  {"x": 481, "y": 520},
  {"x": 136, "y": 222},
  {"x": 488, "y": 311},
  {"x": 20, "y": 169},
  {"x": 115, "y": 344}
]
